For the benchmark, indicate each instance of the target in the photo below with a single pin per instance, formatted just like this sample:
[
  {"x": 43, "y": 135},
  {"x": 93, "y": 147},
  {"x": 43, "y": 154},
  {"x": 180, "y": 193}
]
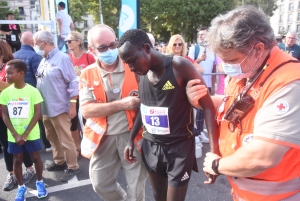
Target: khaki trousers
[
  {"x": 105, "y": 165},
  {"x": 59, "y": 135}
]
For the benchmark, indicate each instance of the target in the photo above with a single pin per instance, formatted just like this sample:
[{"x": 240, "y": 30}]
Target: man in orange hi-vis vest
[
  {"x": 259, "y": 113},
  {"x": 108, "y": 99}
]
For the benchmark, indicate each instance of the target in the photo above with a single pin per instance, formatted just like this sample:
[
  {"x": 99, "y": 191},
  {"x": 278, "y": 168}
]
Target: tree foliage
[
  {"x": 164, "y": 18},
  {"x": 268, "y": 6},
  {"x": 4, "y": 11}
]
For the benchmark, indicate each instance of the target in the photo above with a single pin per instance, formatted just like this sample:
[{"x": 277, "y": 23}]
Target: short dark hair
[
  {"x": 62, "y": 4},
  {"x": 136, "y": 37},
  {"x": 18, "y": 64},
  {"x": 9, "y": 14},
  {"x": 283, "y": 37},
  {"x": 203, "y": 28}
]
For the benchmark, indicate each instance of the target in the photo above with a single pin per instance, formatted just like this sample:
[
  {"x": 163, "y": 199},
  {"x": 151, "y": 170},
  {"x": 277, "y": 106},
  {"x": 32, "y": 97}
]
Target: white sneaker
[
  {"x": 203, "y": 138},
  {"x": 197, "y": 140},
  {"x": 49, "y": 149}
]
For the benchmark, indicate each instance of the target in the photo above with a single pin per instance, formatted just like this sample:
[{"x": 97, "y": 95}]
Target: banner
[{"x": 129, "y": 16}]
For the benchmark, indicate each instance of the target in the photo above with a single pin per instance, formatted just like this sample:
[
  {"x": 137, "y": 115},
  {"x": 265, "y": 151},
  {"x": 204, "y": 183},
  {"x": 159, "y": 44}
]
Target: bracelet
[
  {"x": 73, "y": 101},
  {"x": 215, "y": 166}
]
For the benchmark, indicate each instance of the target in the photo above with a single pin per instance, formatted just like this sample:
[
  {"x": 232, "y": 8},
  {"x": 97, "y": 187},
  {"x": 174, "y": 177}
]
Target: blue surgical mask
[
  {"x": 235, "y": 70},
  {"x": 108, "y": 57}
]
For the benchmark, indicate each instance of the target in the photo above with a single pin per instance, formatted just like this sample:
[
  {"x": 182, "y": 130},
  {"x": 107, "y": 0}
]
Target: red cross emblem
[{"x": 281, "y": 106}]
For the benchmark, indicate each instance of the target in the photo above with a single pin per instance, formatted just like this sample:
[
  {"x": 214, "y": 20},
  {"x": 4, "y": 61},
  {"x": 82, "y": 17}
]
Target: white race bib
[
  {"x": 18, "y": 109},
  {"x": 155, "y": 119},
  {"x": 13, "y": 37}
]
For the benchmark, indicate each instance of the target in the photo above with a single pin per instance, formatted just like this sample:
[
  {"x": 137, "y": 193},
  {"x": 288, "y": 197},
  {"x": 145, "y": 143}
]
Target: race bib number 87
[
  {"x": 155, "y": 119},
  {"x": 18, "y": 109}
]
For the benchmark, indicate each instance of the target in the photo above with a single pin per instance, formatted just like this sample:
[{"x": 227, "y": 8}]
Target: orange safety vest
[
  {"x": 276, "y": 183},
  {"x": 95, "y": 128}
]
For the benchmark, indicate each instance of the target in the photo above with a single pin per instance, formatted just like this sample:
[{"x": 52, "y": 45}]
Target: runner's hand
[
  {"x": 211, "y": 178},
  {"x": 128, "y": 153}
]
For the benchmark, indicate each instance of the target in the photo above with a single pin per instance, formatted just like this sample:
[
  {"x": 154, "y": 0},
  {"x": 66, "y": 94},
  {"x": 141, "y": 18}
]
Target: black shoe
[
  {"x": 10, "y": 182},
  {"x": 54, "y": 167},
  {"x": 68, "y": 174}
]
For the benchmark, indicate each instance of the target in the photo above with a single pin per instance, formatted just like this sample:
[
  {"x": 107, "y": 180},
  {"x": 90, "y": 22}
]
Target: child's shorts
[{"x": 29, "y": 146}]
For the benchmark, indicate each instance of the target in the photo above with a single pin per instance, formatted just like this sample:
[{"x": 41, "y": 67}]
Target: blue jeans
[{"x": 61, "y": 43}]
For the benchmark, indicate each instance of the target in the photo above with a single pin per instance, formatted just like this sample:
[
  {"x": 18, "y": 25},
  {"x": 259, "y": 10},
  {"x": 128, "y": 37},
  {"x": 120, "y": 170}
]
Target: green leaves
[
  {"x": 4, "y": 11},
  {"x": 164, "y": 18}
]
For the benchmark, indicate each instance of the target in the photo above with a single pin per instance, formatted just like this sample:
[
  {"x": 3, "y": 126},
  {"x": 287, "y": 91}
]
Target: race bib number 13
[
  {"x": 18, "y": 109},
  {"x": 155, "y": 119}
]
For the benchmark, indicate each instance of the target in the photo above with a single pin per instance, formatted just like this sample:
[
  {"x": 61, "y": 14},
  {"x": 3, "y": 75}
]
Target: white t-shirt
[
  {"x": 278, "y": 118},
  {"x": 207, "y": 65},
  {"x": 66, "y": 21}
]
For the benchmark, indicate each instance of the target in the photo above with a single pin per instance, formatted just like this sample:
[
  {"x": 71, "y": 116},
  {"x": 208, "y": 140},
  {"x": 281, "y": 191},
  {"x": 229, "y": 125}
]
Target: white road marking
[{"x": 73, "y": 183}]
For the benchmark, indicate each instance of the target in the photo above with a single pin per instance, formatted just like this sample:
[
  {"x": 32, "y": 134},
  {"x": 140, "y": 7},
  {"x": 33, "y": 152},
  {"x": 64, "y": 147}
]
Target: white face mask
[
  {"x": 235, "y": 70},
  {"x": 38, "y": 50}
]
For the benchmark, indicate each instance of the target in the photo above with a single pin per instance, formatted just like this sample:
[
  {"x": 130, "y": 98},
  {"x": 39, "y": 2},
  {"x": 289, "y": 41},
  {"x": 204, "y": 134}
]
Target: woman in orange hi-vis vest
[{"x": 259, "y": 113}]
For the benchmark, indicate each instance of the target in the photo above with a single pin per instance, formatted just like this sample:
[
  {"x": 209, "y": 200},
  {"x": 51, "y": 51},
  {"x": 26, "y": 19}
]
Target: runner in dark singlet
[{"x": 168, "y": 149}]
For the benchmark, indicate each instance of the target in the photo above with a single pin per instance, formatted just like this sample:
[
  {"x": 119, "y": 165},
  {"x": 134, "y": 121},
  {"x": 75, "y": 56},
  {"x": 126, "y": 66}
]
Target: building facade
[{"x": 286, "y": 17}]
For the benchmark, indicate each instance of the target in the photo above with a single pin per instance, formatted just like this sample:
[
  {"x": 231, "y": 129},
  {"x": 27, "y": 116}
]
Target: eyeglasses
[
  {"x": 104, "y": 48},
  {"x": 70, "y": 41},
  {"x": 177, "y": 44}
]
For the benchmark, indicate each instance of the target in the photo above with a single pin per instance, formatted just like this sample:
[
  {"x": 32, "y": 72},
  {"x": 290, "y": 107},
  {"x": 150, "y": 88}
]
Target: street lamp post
[{"x": 100, "y": 11}]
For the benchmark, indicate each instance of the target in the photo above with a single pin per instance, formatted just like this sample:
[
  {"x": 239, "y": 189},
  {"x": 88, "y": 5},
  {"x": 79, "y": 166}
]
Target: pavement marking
[{"x": 73, "y": 183}]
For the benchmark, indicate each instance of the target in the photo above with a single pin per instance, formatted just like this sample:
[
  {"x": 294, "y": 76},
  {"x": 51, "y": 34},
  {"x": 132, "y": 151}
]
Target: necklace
[{"x": 76, "y": 59}]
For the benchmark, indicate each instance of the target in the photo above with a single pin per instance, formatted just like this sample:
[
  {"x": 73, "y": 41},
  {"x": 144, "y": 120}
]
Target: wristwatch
[{"x": 215, "y": 166}]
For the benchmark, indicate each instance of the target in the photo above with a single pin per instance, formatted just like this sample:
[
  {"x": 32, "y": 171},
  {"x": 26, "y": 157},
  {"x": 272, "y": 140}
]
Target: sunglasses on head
[
  {"x": 69, "y": 41},
  {"x": 177, "y": 44},
  {"x": 104, "y": 48}
]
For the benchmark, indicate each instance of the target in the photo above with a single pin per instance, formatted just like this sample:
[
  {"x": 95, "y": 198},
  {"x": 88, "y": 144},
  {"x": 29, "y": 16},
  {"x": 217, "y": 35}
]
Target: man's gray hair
[
  {"x": 44, "y": 36},
  {"x": 90, "y": 32},
  {"x": 240, "y": 29},
  {"x": 292, "y": 32}
]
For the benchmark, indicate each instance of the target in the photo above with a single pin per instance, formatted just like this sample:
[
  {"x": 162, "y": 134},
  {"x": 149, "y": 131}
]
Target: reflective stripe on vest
[
  {"x": 266, "y": 187},
  {"x": 95, "y": 127},
  {"x": 88, "y": 146}
]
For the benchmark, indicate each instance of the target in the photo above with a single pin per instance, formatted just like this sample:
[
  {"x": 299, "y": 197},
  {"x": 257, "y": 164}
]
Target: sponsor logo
[
  {"x": 134, "y": 93},
  {"x": 247, "y": 139},
  {"x": 168, "y": 85},
  {"x": 185, "y": 176},
  {"x": 18, "y": 103}
]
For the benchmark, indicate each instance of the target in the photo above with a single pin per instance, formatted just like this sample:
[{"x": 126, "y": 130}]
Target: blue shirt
[
  {"x": 56, "y": 80},
  {"x": 32, "y": 60},
  {"x": 295, "y": 50}
]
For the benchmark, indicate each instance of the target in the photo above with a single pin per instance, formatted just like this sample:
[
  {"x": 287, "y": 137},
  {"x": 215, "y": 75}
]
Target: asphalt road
[{"x": 80, "y": 189}]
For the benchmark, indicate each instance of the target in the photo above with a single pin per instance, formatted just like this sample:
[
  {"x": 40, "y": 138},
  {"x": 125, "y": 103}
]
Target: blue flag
[{"x": 128, "y": 16}]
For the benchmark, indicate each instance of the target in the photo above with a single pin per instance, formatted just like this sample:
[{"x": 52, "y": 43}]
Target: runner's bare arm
[
  {"x": 128, "y": 151},
  {"x": 184, "y": 71}
]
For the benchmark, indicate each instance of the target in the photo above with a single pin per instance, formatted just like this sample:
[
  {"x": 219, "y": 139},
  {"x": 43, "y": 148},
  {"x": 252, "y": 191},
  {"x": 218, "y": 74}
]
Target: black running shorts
[{"x": 175, "y": 161}]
